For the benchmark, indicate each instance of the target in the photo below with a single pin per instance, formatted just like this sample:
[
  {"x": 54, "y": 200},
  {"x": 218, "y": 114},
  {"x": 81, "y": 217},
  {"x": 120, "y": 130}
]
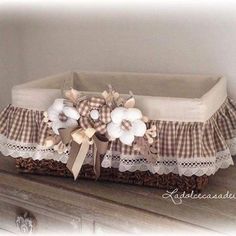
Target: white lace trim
[
  {"x": 165, "y": 165},
  {"x": 182, "y": 166},
  {"x": 33, "y": 150}
]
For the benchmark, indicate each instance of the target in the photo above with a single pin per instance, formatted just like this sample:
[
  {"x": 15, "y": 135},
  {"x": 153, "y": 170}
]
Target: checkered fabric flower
[
  {"x": 94, "y": 113},
  {"x": 126, "y": 124}
]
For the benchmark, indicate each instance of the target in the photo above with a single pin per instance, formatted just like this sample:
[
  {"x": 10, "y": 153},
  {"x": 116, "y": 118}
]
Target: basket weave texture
[{"x": 145, "y": 178}]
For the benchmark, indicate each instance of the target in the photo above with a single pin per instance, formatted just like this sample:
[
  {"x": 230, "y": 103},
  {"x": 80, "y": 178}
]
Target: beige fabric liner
[{"x": 188, "y": 98}]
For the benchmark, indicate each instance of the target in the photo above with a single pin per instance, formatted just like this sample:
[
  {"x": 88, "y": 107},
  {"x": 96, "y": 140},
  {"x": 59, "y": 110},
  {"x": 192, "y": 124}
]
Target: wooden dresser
[{"x": 53, "y": 204}]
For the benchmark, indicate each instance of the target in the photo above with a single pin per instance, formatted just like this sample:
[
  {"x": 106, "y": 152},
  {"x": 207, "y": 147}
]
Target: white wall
[
  {"x": 153, "y": 38},
  {"x": 11, "y": 68}
]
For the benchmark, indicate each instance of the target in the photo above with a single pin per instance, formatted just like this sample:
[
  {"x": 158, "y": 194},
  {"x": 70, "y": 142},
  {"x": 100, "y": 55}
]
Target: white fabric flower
[
  {"x": 62, "y": 116},
  {"x": 126, "y": 124}
]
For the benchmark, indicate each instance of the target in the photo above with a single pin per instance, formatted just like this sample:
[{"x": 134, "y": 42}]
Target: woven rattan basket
[
  {"x": 144, "y": 178},
  {"x": 194, "y": 118}
]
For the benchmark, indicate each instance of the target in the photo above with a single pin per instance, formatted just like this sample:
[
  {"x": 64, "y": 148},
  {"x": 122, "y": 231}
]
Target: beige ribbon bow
[{"x": 81, "y": 140}]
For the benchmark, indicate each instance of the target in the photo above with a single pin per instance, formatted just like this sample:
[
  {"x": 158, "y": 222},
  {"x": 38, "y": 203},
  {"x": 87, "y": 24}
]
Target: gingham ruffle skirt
[{"x": 184, "y": 148}]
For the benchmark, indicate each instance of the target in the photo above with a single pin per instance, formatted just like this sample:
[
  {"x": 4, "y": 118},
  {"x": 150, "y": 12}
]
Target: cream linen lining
[{"x": 183, "y": 98}]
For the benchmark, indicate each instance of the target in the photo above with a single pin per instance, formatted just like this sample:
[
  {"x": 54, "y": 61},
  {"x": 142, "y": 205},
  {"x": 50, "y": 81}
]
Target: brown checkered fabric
[
  {"x": 174, "y": 139},
  {"x": 86, "y": 106},
  {"x": 100, "y": 127},
  {"x": 225, "y": 118},
  {"x": 85, "y": 122},
  {"x": 126, "y": 125},
  {"x": 96, "y": 102},
  {"x": 191, "y": 139},
  {"x": 23, "y": 125},
  {"x": 105, "y": 114},
  {"x": 83, "y": 108}
]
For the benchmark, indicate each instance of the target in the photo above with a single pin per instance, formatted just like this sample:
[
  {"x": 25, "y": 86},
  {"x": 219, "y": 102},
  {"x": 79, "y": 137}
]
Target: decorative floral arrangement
[{"x": 78, "y": 121}]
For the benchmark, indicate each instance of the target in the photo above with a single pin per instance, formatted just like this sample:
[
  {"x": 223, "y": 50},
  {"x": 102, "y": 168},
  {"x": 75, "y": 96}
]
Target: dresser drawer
[
  {"x": 22, "y": 219},
  {"x": 103, "y": 229}
]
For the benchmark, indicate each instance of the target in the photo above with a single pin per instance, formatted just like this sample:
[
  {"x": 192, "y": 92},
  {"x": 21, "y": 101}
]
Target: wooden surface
[{"x": 102, "y": 206}]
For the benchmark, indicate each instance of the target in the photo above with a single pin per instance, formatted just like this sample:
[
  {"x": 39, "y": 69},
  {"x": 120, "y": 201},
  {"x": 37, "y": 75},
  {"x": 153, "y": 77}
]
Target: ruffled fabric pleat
[
  {"x": 23, "y": 125},
  {"x": 184, "y": 148},
  {"x": 22, "y": 134}
]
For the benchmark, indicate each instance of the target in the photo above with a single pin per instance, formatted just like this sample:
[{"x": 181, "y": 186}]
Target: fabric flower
[
  {"x": 126, "y": 124},
  {"x": 95, "y": 113},
  {"x": 62, "y": 116}
]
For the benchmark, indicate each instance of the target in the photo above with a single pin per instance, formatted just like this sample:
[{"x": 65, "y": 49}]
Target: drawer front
[
  {"x": 103, "y": 229},
  {"x": 17, "y": 219}
]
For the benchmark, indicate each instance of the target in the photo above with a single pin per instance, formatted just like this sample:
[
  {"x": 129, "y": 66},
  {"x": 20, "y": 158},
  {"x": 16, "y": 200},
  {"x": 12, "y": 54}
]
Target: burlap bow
[{"x": 80, "y": 141}]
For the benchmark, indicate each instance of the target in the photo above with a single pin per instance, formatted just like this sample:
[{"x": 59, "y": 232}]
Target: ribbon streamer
[
  {"x": 100, "y": 148},
  {"x": 80, "y": 141}
]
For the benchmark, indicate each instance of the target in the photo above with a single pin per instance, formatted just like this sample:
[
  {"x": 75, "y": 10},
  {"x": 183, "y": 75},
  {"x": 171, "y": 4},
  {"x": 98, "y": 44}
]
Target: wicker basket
[
  {"x": 195, "y": 120},
  {"x": 145, "y": 178}
]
